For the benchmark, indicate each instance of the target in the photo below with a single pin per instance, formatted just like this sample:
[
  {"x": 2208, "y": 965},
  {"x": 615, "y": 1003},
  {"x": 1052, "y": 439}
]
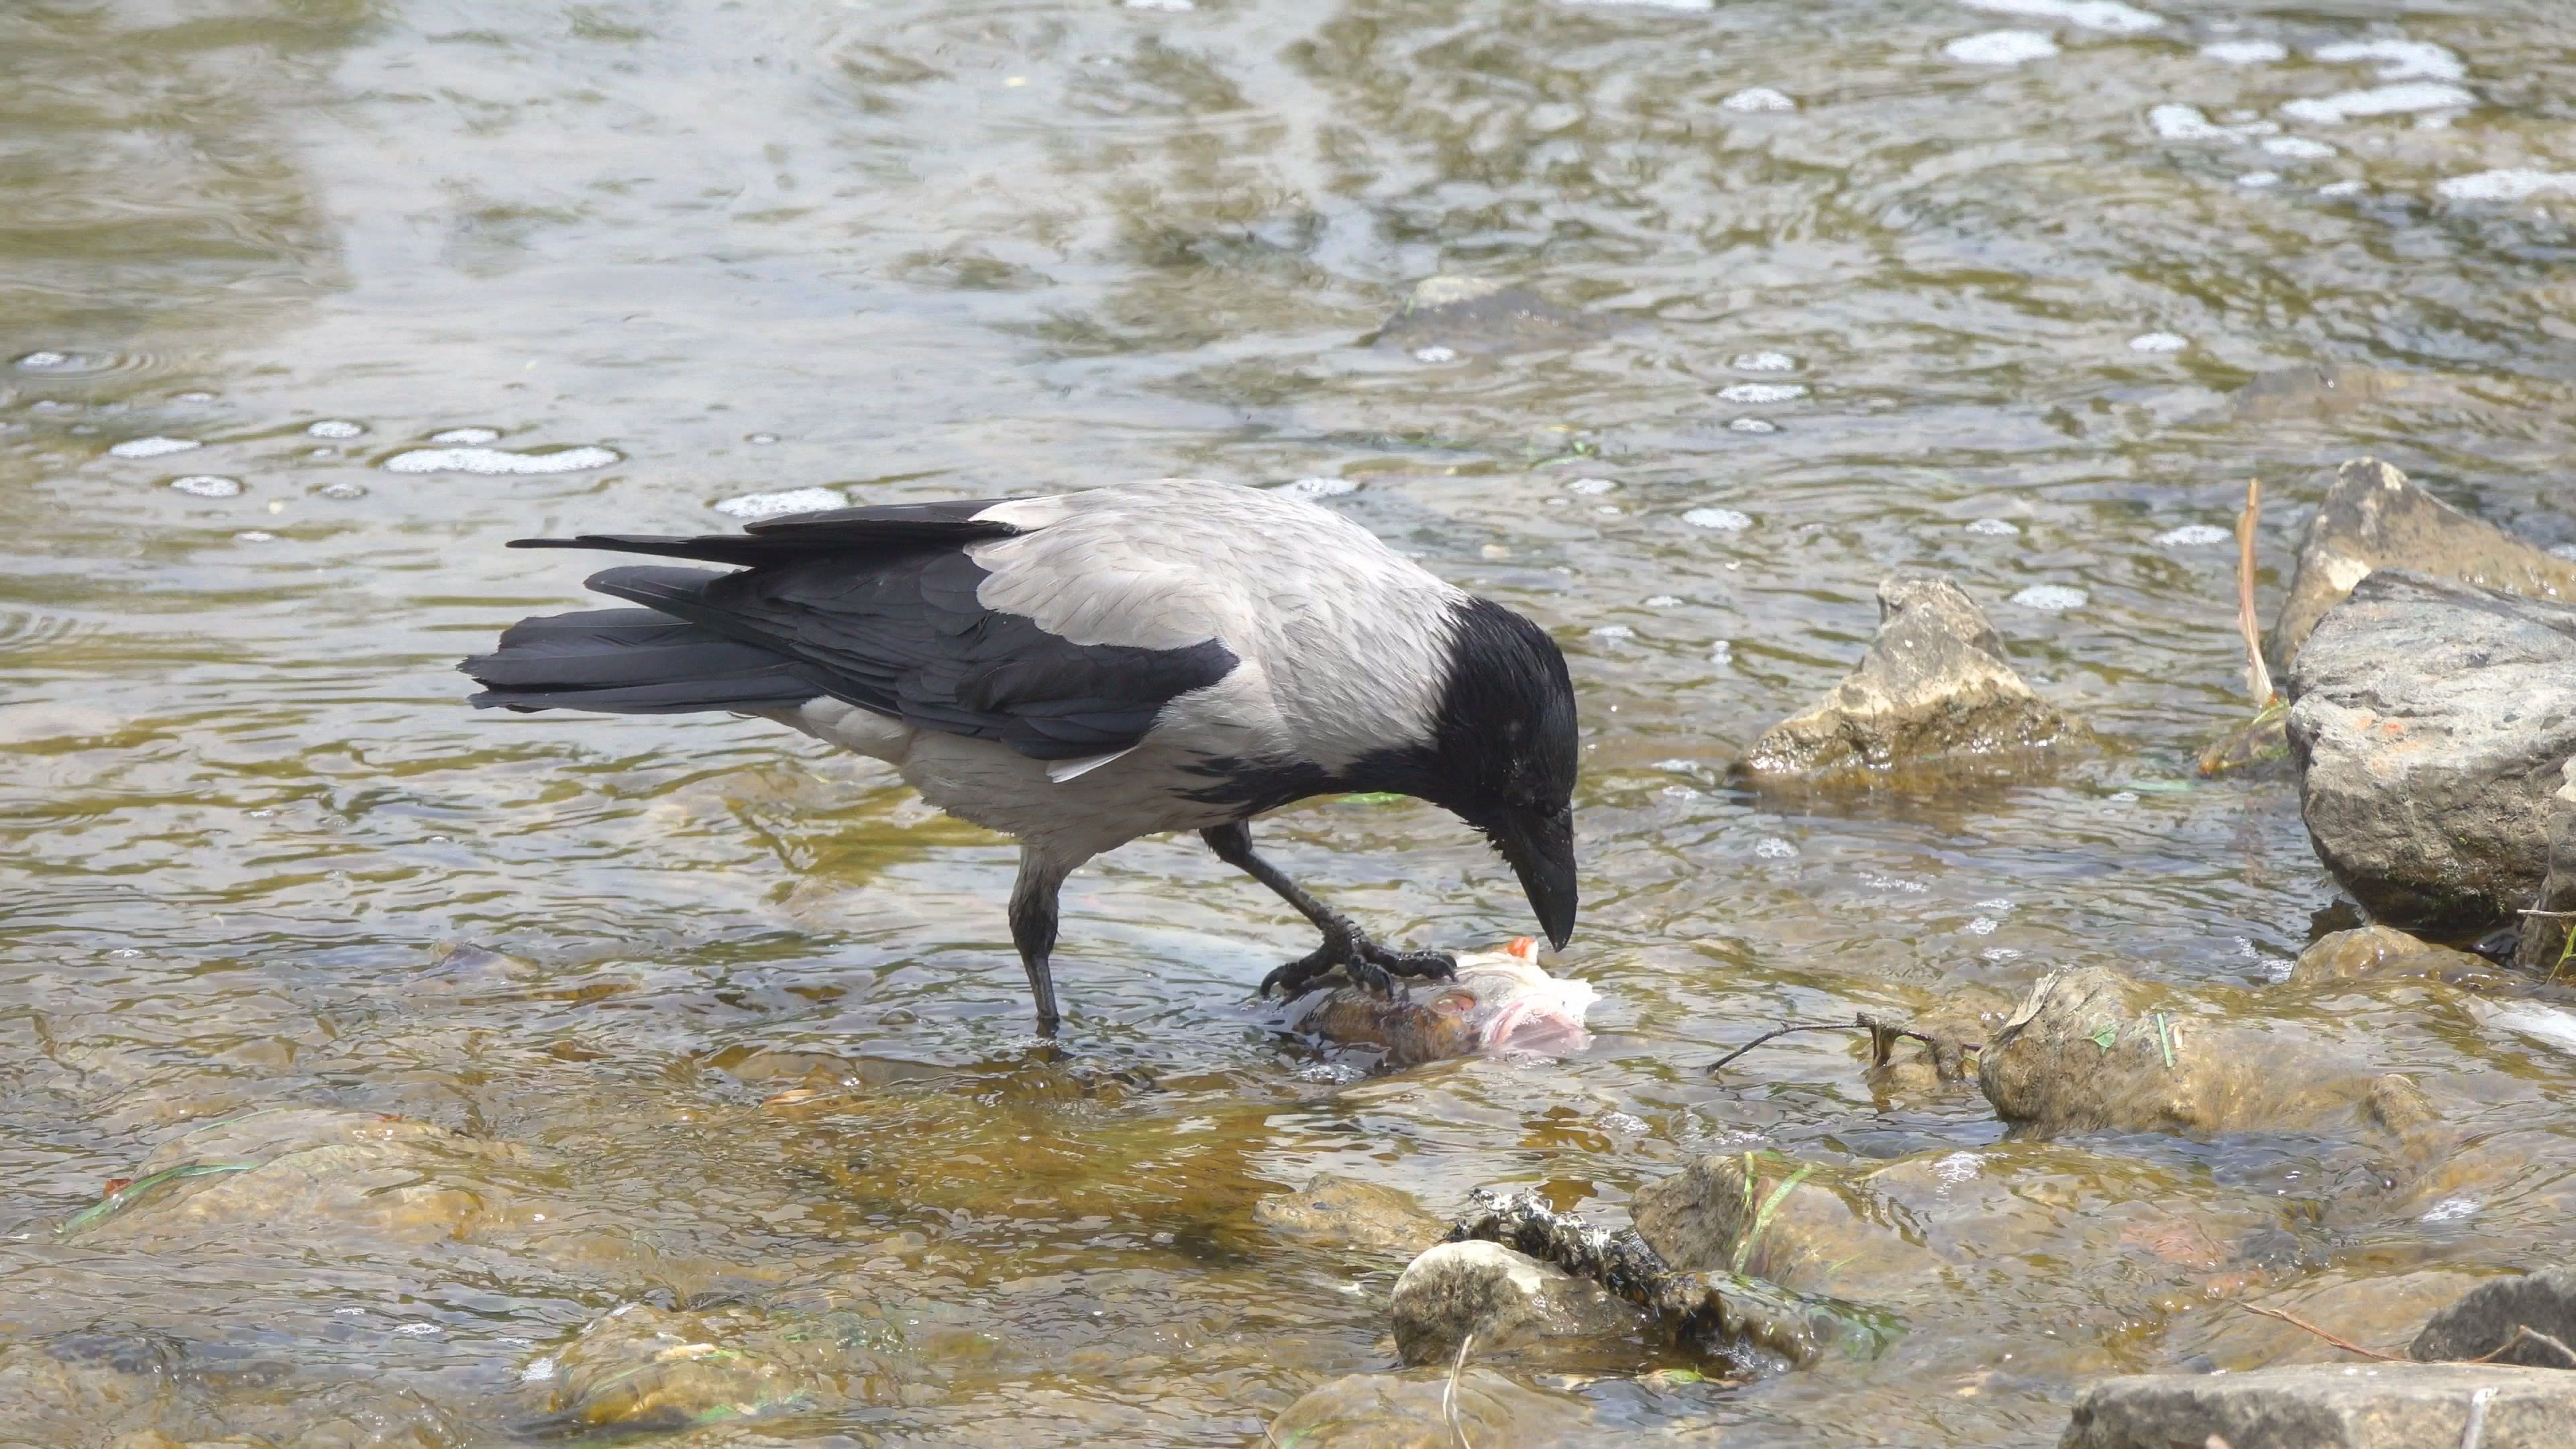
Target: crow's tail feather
[{"x": 633, "y": 661}]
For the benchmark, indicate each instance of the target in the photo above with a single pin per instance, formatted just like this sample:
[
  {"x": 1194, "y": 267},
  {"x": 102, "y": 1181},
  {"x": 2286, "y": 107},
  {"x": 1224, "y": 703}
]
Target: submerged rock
[
  {"x": 1460, "y": 315},
  {"x": 1934, "y": 684},
  {"x": 306, "y": 1171},
  {"x": 1350, "y": 1214},
  {"x": 2331, "y": 1406},
  {"x": 2549, "y": 934},
  {"x": 2312, "y": 390},
  {"x": 641, "y": 1368},
  {"x": 1513, "y": 1305},
  {"x": 1766, "y": 1216},
  {"x": 2501, "y": 1318},
  {"x": 1403, "y": 1411},
  {"x": 2091, "y": 1050},
  {"x": 2430, "y": 720},
  {"x": 2374, "y": 517},
  {"x": 2384, "y": 953}
]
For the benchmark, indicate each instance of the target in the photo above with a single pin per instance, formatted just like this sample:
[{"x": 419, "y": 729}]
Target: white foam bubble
[
  {"x": 761, "y": 440},
  {"x": 42, "y": 361},
  {"x": 1435, "y": 354},
  {"x": 2512, "y": 184},
  {"x": 1999, "y": 954},
  {"x": 780, "y": 504},
  {"x": 1174, "y": 6},
  {"x": 1320, "y": 487},
  {"x": 1956, "y": 1168},
  {"x": 1726, "y": 520},
  {"x": 192, "y": 397},
  {"x": 467, "y": 437},
  {"x": 2174, "y": 121},
  {"x": 2399, "y": 59},
  {"x": 1772, "y": 847},
  {"x": 2245, "y": 52},
  {"x": 1757, "y": 98},
  {"x": 1614, "y": 632},
  {"x": 2563, "y": 550},
  {"x": 2001, "y": 47},
  {"x": 2399, "y": 99},
  {"x": 1762, "y": 392},
  {"x": 2194, "y": 535},
  {"x": 1993, "y": 528},
  {"x": 2257, "y": 180},
  {"x": 1664, "y": 601},
  {"x": 2159, "y": 342},
  {"x": 342, "y": 490},
  {"x": 2001, "y": 905},
  {"x": 1590, "y": 485},
  {"x": 2109, "y": 16},
  {"x": 2342, "y": 188},
  {"x": 541, "y": 1371},
  {"x": 1981, "y": 926},
  {"x": 336, "y": 428},
  {"x": 255, "y": 535},
  {"x": 1751, "y": 425},
  {"x": 1765, "y": 362},
  {"x": 2297, "y": 148},
  {"x": 2451, "y": 1210},
  {"x": 207, "y": 485},
  {"x": 495, "y": 461},
  {"x": 2050, "y": 598},
  {"x": 152, "y": 447}
]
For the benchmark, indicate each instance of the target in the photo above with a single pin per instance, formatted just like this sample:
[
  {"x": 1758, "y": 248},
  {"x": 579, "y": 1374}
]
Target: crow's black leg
[
  {"x": 1345, "y": 944},
  {"x": 1033, "y": 918}
]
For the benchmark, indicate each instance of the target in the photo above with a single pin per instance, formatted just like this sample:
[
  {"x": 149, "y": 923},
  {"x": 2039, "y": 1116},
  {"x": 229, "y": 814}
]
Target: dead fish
[{"x": 1500, "y": 1001}]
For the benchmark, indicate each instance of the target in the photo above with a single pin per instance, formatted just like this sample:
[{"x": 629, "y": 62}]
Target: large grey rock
[
  {"x": 2544, "y": 944},
  {"x": 1345, "y": 1213},
  {"x": 2486, "y": 1321},
  {"x": 2373, "y": 517},
  {"x": 1512, "y": 1303},
  {"x": 2091, "y": 1050},
  {"x": 2330, "y": 1406},
  {"x": 1934, "y": 684},
  {"x": 2429, "y": 723}
]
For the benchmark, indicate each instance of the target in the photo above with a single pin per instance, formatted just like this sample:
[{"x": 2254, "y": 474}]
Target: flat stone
[
  {"x": 2429, "y": 722},
  {"x": 2374, "y": 517},
  {"x": 2328, "y": 1406},
  {"x": 1349, "y": 1214},
  {"x": 1511, "y": 1303},
  {"x": 2485, "y": 1322},
  {"x": 1934, "y": 685},
  {"x": 2313, "y": 390}
]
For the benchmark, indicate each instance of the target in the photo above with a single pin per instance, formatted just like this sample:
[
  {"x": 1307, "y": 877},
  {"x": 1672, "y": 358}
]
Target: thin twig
[
  {"x": 2258, "y": 679},
  {"x": 2346, "y": 1344},
  {"x": 1449, "y": 1395},
  {"x": 2522, "y": 1331},
  {"x": 1863, "y": 1022},
  {"x": 2553, "y": 915}
]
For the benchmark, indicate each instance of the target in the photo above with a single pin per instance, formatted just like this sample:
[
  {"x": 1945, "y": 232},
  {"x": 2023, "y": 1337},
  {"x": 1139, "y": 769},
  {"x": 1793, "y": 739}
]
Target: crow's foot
[{"x": 1364, "y": 961}]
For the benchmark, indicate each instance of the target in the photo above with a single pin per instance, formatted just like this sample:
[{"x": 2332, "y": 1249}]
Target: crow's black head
[{"x": 1503, "y": 752}]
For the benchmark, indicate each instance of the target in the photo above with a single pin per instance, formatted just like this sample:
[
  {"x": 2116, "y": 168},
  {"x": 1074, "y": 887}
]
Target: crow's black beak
[{"x": 1540, "y": 847}]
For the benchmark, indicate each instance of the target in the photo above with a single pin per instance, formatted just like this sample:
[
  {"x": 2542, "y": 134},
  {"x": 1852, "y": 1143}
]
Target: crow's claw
[{"x": 1364, "y": 961}]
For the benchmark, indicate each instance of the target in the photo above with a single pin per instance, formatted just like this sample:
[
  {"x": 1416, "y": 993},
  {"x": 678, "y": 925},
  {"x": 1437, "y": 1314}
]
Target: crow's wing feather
[{"x": 901, "y": 631}]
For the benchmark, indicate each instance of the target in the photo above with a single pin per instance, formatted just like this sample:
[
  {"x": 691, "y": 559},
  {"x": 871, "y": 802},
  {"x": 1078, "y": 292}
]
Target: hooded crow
[{"x": 1083, "y": 669}]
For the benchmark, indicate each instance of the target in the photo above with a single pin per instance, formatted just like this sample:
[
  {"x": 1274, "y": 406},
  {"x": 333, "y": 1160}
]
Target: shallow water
[{"x": 618, "y": 263}]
